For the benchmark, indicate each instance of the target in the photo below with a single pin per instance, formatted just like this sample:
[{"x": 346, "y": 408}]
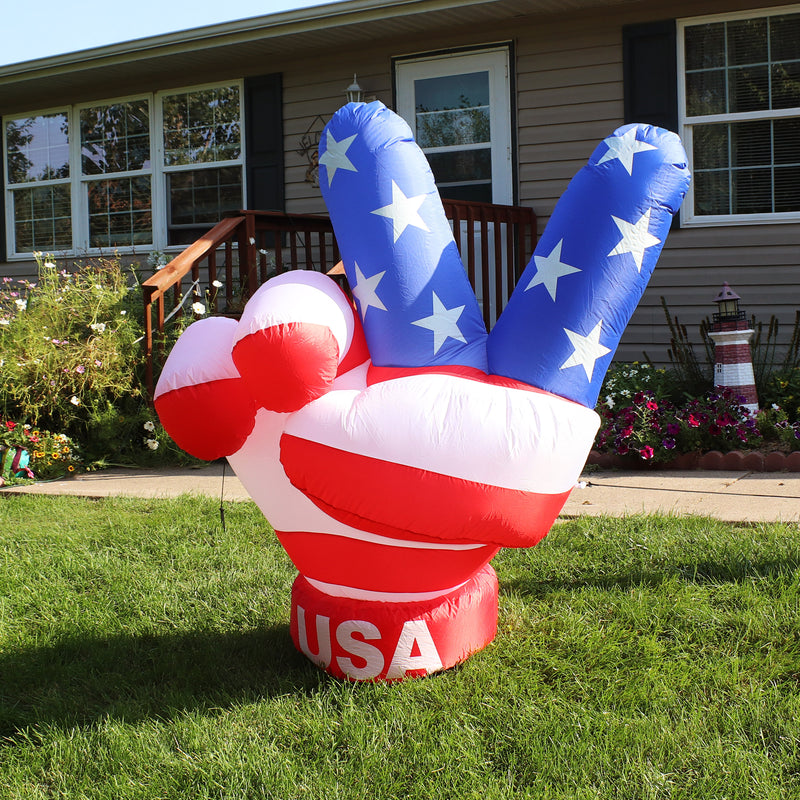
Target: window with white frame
[
  {"x": 740, "y": 115},
  {"x": 143, "y": 172},
  {"x": 202, "y": 135},
  {"x": 38, "y": 180}
]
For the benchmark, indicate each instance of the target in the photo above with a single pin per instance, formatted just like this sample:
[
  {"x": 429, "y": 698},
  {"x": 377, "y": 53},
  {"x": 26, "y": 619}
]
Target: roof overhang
[{"x": 268, "y": 41}]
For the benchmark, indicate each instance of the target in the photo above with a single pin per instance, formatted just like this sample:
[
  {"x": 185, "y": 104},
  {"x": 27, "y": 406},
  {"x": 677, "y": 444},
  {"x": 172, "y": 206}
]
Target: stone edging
[{"x": 734, "y": 461}]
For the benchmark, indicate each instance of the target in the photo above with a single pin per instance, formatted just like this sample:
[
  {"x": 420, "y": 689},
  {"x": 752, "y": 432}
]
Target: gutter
[{"x": 350, "y": 12}]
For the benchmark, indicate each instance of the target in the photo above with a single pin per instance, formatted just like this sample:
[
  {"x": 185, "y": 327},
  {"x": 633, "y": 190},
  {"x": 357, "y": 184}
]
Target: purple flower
[
  {"x": 668, "y": 443},
  {"x": 673, "y": 428}
]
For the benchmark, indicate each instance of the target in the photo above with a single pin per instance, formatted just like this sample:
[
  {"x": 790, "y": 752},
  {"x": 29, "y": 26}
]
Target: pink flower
[
  {"x": 80, "y": 369},
  {"x": 693, "y": 421},
  {"x": 646, "y": 452},
  {"x": 652, "y": 405}
]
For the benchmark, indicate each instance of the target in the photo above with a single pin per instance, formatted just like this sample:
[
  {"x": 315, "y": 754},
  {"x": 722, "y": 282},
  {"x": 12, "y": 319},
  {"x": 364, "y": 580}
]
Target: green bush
[
  {"x": 72, "y": 361},
  {"x": 625, "y": 380},
  {"x": 783, "y": 390}
]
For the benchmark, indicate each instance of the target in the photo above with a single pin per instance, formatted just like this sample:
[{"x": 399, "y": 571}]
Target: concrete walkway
[{"x": 730, "y": 496}]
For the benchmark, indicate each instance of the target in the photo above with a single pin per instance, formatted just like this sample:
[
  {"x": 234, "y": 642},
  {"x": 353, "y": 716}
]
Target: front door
[{"x": 459, "y": 108}]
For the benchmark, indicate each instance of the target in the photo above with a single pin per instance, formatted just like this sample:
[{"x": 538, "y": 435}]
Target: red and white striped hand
[{"x": 382, "y": 482}]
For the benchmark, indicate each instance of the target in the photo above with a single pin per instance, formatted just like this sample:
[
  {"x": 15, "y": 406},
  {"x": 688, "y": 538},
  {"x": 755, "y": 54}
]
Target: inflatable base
[{"x": 369, "y": 640}]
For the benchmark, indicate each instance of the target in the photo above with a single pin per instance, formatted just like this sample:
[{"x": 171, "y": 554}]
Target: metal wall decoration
[{"x": 309, "y": 149}]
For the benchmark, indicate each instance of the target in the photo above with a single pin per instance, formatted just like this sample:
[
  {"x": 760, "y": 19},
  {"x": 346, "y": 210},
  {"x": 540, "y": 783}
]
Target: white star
[
  {"x": 403, "y": 211},
  {"x": 635, "y": 238},
  {"x": 335, "y": 156},
  {"x": 549, "y": 269},
  {"x": 365, "y": 293},
  {"x": 587, "y": 350},
  {"x": 443, "y": 322},
  {"x": 625, "y": 148}
]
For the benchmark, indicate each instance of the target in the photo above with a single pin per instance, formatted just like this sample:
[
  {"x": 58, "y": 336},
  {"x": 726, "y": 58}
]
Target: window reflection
[
  {"x": 38, "y": 148},
  {"x": 115, "y": 138},
  {"x": 202, "y": 126}
]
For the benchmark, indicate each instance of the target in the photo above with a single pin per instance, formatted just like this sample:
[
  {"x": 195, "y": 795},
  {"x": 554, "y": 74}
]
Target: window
[
  {"x": 202, "y": 130},
  {"x": 116, "y": 191},
  {"x": 38, "y": 181},
  {"x": 740, "y": 113},
  {"x": 459, "y": 108},
  {"x": 143, "y": 172}
]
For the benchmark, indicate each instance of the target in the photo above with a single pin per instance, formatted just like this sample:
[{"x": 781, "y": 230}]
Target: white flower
[
  {"x": 216, "y": 284},
  {"x": 610, "y": 401},
  {"x": 98, "y": 327},
  {"x": 198, "y": 308},
  {"x": 49, "y": 264},
  {"x": 151, "y": 443},
  {"x": 149, "y": 426},
  {"x": 4, "y": 322},
  {"x": 21, "y": 304},
  {"x": 776, "y": 407},
  {"x": 74, "y": 400},
  {"x": 123, "y": 313}
]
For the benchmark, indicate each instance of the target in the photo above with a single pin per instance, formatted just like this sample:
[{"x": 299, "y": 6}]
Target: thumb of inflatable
[{"x": 200, "y": 398}]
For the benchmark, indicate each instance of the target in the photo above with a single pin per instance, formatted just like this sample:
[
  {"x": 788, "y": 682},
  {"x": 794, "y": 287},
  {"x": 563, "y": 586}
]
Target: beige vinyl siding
[
  {"x": 570, "y": 96},
  {"x": 313, "y": 91},
  {"x": 568, "y": 82}
]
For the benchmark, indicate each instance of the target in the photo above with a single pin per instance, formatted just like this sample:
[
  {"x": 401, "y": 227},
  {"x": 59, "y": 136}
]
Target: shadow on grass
[
  {"x": 654, "y": 576},
  {"x": 82, "y": 680}
]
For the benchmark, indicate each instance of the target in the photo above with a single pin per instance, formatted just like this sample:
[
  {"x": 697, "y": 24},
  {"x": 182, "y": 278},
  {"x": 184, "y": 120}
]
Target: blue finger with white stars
[
  {"x": 567, "y": 314},
  {"x": 397, "y": 246}
]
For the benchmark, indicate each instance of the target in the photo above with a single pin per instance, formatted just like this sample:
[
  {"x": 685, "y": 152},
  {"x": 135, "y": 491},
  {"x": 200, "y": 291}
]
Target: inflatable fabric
[{"x": 393, "y": 444}]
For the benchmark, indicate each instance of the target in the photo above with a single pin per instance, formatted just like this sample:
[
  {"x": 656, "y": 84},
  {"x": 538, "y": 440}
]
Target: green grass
[{"x": 145, "y": 653}]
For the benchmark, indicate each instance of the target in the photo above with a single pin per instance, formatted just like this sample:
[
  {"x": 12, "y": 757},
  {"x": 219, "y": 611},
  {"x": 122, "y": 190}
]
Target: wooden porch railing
[{"x": 244, "y": 251}]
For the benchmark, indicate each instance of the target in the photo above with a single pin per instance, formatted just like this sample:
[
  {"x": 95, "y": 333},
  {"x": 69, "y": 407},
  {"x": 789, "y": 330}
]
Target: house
[{"x": 144, "y": 145}]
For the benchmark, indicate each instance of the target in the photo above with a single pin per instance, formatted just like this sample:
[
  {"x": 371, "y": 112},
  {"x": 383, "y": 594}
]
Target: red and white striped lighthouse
[{"x": 733, "y": 361}]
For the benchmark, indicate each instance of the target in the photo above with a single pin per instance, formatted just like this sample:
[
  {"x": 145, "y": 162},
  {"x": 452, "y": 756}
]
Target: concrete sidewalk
[{"x": 730, "y": 496}]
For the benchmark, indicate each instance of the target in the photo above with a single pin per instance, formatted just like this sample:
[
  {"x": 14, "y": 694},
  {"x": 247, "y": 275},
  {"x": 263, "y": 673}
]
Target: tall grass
[{"x": 145, "y": 653}]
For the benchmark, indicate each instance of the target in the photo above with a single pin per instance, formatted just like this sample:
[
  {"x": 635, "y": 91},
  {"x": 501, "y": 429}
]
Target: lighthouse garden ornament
[{"x": 393, "y": 444}]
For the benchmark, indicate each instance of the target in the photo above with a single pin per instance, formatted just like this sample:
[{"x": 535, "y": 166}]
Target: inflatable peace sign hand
[
  {"x": 461, "y": 435},
  {"x": 394, "y": 459}
]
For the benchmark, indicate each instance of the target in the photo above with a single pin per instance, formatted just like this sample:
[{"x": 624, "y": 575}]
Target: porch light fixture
[
  {"x": 727, "y": 305},
  {"x": 353, "y": 91}
]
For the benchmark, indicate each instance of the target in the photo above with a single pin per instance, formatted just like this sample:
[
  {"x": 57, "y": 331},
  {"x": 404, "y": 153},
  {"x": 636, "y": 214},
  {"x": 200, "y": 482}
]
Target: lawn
[{"x": 145, "y": 653}]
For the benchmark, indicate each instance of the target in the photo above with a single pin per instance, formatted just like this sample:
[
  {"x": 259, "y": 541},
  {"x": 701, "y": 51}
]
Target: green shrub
[
  {"x": 72, "y": 360},
  {"x": 783, "y": 390},
  {"x": 623, "y": 381}
]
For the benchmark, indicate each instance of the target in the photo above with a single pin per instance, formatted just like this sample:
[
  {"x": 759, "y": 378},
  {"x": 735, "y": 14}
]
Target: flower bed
[
  {"x": 649, "y": 426},
  {"x": 29, "y": 453}
]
